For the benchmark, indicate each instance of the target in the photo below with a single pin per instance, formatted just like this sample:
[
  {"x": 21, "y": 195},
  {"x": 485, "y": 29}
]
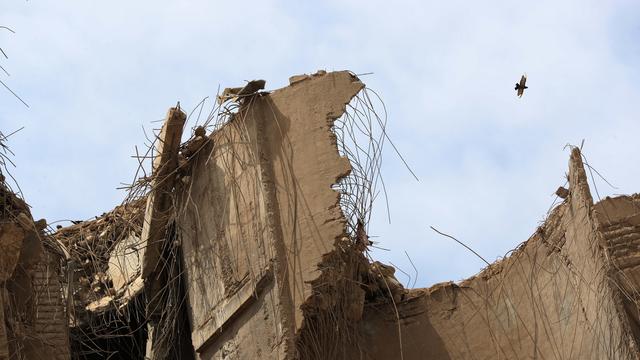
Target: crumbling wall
[
  {"x": 258, "y": 213},
  {"x": 34, "y": 320},
  {"x": 51, "y": 322},
  {"x": 227, "y": 247},
  {"x": 553, "y": 298},
  {"x": 619, "y": 222},
  {"x": 305, "y": 166},
  {"x": 103, "y": 284},
  {"x": 104, "y": 258}
]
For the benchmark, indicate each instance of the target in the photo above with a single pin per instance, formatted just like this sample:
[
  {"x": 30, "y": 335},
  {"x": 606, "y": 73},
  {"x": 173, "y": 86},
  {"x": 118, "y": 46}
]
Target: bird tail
[{"x": 517, "y": 86}]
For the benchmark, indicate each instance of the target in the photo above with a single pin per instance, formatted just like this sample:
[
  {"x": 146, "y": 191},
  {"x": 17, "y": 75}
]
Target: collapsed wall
[
  {"x": 619, "y": 222},
  {"x": 241, "y": 249},
  {"x": 558, "y": 296},
  {"x": 32, "y": 301},
  {"x": 105, "y": 306},
  {"x": 257, "y": 215}
]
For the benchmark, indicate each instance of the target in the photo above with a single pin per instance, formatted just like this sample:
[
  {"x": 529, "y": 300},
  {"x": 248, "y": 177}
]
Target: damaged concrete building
[
  {"x": 248, "y": 241},
  {"x": 33, "y": 317}
]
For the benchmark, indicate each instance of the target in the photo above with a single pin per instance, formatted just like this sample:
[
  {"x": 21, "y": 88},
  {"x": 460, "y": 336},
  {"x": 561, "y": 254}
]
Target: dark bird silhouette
[{"x": 522, "y": 85}]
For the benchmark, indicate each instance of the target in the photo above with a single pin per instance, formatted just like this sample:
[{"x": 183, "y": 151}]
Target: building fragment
[
  {"x": 32, "y": 299},
  {"x": 569, "y": 292}
]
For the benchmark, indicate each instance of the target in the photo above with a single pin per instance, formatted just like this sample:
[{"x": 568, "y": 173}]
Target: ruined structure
[
  {"x": 250, "y": 243},
  {"x": 33, "y": 316},
  {"x": 569, "y": 292}
]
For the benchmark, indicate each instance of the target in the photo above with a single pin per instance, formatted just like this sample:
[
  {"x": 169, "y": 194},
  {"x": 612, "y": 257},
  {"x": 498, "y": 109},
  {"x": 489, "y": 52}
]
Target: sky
[{"x": 95, "y": 73}]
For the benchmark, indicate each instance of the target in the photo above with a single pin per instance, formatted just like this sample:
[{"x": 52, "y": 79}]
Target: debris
[
  {"x": 234, "y": 94},
  {"x": 41, "y": 224},
  {"x": 100, "y": 304},
  {"x": 298, "y": 78},
  {"x": 386, "y": 280},
  {"x": 125, "y": 262},
  {"x": 11, "y": 237},
  {"x": 193, "y": 145},
  {"x": 200, "y": 131},
  {"x": 32, "y": 320},
  {"x": 562, "y": 192},
  {"x": 158, "y": 201}
]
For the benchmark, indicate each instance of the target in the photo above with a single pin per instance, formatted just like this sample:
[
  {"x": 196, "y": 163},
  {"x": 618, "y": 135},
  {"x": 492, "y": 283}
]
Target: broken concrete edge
[
  {"x": 92, "y": 246},
  {"x": 93, "y": 235},
  {"x": 293, "y": 290},
  {"x": 159, "y": 206},
  {"x": 334, "y": 276},
  {"x": 346, "y": 280},
  {"x": 33, "y": 318},
  {"x": 11, "y": 238},
  {"x": 614, "y": 209},
  {"x": 579, "y": 187},
  {"x": 234, "y": 94},
  {"x": 296, "y": 79},
  {"x": 288, "y": 305},
  {"x": 619, "y": 222},
  {"x": 578, "y": 184},
  {"x": 599, "y": 215},
  {"x": 579, "y": 201},
  {"x": 21, "y": 236},
  {"x": 581, "y": 197},
  {"x": 280, "y": 276}
]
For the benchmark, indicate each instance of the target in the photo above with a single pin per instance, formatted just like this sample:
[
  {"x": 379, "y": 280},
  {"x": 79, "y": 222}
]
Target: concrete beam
[{"x": 159, "y": 204}]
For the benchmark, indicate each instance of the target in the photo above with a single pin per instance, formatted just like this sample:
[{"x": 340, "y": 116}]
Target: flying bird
[{"x": 522, "y": 85}]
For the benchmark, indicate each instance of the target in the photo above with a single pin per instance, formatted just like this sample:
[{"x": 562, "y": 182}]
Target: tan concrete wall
[
  {"x": 257, "y": 215},
  {"x": 51, "y": 324},
  {"x": 619, "y": 220},
  {"x": 34, "y": 322},
  {"x": 227, "y": 245},
  {"x": 306, "y": 164},
  {"x": 552, "y": 299}
]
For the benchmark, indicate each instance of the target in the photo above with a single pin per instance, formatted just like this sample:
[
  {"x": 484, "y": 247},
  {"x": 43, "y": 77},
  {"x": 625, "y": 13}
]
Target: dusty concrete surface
[
  {"x": 158, "y": 210},
  {"x": 259, "y": 214},
  {"x": 33, "y": 317},
  {"x": 104, "y": 296},
  {"x": 619, "y": 222},
  {"x": 555, "y": 297},
  {"x": 305, "y": 165},
  {"x": 226, "y": 244}
]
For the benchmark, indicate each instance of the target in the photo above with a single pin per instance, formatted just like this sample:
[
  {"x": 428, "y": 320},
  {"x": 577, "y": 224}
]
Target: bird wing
[{"x": 523, "y": 81}]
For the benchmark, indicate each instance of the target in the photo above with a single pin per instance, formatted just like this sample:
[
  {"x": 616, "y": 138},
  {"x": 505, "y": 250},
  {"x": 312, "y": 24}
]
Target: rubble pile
[
  {"x": 91, "y": 245},
  {"x": 32, "y": 315}
]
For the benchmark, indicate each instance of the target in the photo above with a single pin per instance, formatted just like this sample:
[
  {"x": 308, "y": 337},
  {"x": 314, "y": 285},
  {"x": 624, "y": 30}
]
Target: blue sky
[{"x": 488, "y": 162}]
